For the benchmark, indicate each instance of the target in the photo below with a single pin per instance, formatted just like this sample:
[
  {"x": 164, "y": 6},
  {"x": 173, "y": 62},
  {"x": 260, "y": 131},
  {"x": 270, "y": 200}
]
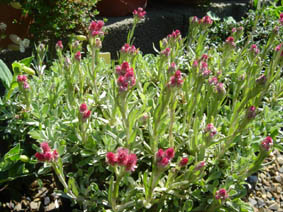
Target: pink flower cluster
[
  {"x": 122, "y": 158},
  {"x": 128, "y": 49},
  {"x": 211, "y": 130},
  {"x": 205, "y": 72},
  {"x": 47, "y": 154},
  {"x": 176, "y": 80},
  {"x": 95, "y": 28},
  {"x": 281, "y": 18},
  {"x": 163, "y": 157},
  {"x": 84, "y": 112},
  {"x": 165, "y": 52},
  {"x": 230, "y": 41},
  {"x": 22, "y": 80},
  {"x": 206, "y": 20},
  {"x": 267, "y": 143},
  {"x": 139, "y": 13},
  {"x": 175, "y": 34},
  {"x": 221, "y": 194},
  {"x": 59, "y": 44},
  {"x": 126, "y": 77}
]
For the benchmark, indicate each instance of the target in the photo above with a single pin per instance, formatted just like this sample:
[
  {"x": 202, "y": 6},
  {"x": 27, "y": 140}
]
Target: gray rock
[
  {"x": 252, "y": 201},
  {"x": 274, "y": 206},
  {"x": 260, "y": 202},
  {"x": 46, "y": 200}
]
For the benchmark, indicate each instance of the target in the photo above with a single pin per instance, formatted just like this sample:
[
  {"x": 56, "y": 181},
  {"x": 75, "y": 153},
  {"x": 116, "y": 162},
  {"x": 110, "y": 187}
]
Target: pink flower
[
  {"x": 128, "y": 49},
  {"x": 206, "y": 20},
  {"x": 139, "y": 13},
  {"x": 169, "y": 153},
  {"x": 278, "y": 48},
  {"x": 184, "y": 161},
  {"x": 39, "y": 156},
  {"x": 176, "y": 79},
  {"x": 254, "y": 49},
  {"x": 211, "y": 130},
  {"x": 122, "y": 156},
  {"x": 195, "y": 63},
  {"x": 111, "y": 158},
  {"x": 164, "y": 162},
  {"x": 213, "y": 81},
  {"x": 83, "y": 107},
  {"x": 86, "y": 115},
  {"x": 78, "y": 56},
  {"x": 221, "y": 194},
  {"x": 204, "y": 57},
  {"x": 47, "y": 154},
  {"x": 45, "y": 147},
  {"x": 163, "y": 157},
  {"x": 59, "y": 45},
  {"x": 220, "y": 89},
  {"x": 234, "y": 29},
  {"x": 126, "y": 76},
  {"x": 267, "y": 143},
  {"x": 172, "y": 67},
  {"x": 175, "y": 34},
  {"x": 25, "y": 85},
  {"x": 21, "y": 78},
  {"x": 230, "y": 40},
  {"x": 251, "y": 113},
  {"x": 95, "y": 28},
  {"x": 200, "y": 165},
  {"x": 131, "y": 162},
  {"x": 203, "y": 65},
  {"x": 166, "y": 52},
  {"x": 159, "y": 155},
  {"x": 195, "y": 19},
  {"x": 281, "y": 18}
]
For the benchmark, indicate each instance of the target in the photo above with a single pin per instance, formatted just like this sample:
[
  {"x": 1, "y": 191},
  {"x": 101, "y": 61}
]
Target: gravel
[{"x": 268, "y": 193}]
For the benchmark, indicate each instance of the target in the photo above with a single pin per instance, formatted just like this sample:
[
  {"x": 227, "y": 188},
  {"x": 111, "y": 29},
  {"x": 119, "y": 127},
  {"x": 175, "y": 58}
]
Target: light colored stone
[
  {"x": 274, "y": 206},
  {"x": 35, "y": 205},
  {"x": 280, "y": 160}
]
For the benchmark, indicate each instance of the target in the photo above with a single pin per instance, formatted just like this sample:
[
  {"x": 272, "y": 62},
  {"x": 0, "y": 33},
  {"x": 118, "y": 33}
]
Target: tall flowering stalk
[
  {"x": 47, "y": 155},
  {"x": 83, "y": 115},
  {"x": 96, "y": 35},
  {"x": 126, "y": 80},
  {"x": 24, "y": 88},
  {"x": 138, "y": 15}
]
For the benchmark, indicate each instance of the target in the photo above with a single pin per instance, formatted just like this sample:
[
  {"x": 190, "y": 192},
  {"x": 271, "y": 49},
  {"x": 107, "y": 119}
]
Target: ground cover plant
[{"x": 182, "y": 129}]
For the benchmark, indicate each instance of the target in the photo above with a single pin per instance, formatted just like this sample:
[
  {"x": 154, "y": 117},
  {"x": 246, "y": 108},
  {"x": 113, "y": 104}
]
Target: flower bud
[
  {"x": 184, "y": 162},
  {"x": 267, "y": 143},
  {"x": 251, "y": 112},
  {"x": 59, "y": 45},
  {"x": 221, "y": 194}
]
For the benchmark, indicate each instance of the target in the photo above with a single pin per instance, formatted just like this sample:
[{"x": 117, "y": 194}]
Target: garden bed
[{"x": 182, "y": 129}]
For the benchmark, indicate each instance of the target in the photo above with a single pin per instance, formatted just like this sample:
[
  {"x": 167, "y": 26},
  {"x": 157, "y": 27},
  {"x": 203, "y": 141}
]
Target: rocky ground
[{"x": 267, "y": 194}]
